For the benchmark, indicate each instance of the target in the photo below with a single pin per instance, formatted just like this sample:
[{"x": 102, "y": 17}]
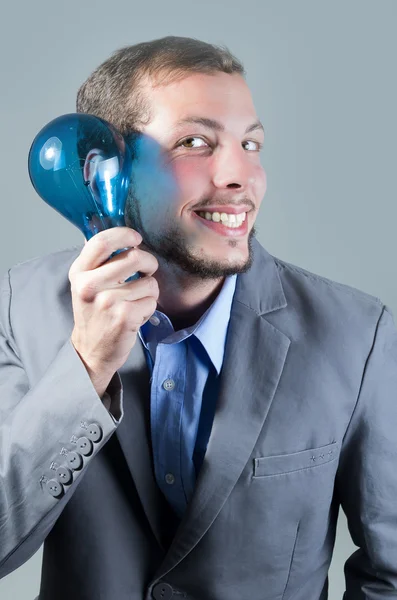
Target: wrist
[{"x": 99, "y": 376}]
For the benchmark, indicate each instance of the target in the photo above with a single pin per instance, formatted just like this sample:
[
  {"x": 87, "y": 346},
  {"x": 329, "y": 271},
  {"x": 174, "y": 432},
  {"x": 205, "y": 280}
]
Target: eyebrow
[{"x": 215, "y": 125}]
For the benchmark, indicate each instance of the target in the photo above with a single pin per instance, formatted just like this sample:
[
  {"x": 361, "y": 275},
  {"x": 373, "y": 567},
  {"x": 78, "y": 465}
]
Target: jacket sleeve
[
  {"x": 49, "y": 433},
  {"x": 367, "y": 473}
]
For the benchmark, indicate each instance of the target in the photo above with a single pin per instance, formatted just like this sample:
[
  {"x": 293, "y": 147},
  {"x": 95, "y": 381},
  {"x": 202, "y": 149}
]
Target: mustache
[{"x": 225, "y": 202}]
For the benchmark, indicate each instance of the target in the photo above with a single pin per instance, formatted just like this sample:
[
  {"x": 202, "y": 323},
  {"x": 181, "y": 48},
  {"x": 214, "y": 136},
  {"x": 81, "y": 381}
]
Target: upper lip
[{"x": 231, "y": 209}]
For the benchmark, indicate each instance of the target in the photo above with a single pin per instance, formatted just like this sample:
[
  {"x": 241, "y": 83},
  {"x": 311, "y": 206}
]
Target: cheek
[
  {"x": 191, "y": 176},
  {"x": 156, "y": 189},
  {"x": 260, "y": 182}
]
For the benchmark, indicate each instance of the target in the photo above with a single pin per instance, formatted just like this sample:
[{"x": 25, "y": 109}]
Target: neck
[{"x": 184, "y": 298}]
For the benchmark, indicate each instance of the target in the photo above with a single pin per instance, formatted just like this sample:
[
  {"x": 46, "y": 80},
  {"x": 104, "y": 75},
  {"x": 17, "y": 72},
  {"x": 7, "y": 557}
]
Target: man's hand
[{"x": 108, "y": 312}]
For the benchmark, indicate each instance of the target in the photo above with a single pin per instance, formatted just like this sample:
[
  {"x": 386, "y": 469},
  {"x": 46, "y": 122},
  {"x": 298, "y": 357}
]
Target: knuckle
[
  {"x": 103, "y": 241},
  {"x": 155, "y": 263},
  {"x": 123, "y": 312},
  {"x": 133, "y": 324},
  {"x": 152, "y": 305},
  {"x": 153, "y": 285},
  {"x": 147, "y": 316},
  {"x": 134, "y": 236},
  {"x": 105, "y": 300},
  {"x": 74, "y": 269},
  {"x": 83, "y": 287},
  {"x": 132, "y": 255}
]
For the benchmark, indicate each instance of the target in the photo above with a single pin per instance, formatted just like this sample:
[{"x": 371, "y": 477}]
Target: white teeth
[{"x": 227, "y": 220}]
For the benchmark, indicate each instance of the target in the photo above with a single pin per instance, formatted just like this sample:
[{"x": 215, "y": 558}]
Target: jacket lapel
[
  {"x": 253, "y": 363},
  {"x": 134, "y": 437}
]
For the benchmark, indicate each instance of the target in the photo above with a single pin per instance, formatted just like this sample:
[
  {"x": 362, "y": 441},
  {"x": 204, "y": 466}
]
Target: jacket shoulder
[
  {"x": 290, "y": 272},
  {"x": 46, "y": 261},
  {"x": 55, "y": 265}
]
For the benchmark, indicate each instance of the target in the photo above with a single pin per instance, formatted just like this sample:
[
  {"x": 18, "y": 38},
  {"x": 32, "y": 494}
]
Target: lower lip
[{"x": 222, "y": 229}]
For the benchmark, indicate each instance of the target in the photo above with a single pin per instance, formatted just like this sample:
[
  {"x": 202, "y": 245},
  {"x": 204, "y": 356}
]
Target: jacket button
[
  {"x": 162, "y": 591},
  {"x": 94, "y": 432},
  {"x": 64, "y": 475},
  {"x": 54, "y": 488},
  {"x": 84, "y": 446},
  {"x": 74, "y": 460}
]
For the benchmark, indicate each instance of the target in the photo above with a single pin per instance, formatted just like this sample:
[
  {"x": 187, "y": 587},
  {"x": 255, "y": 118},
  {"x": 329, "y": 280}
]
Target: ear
[{"x": 91, "y": 163}]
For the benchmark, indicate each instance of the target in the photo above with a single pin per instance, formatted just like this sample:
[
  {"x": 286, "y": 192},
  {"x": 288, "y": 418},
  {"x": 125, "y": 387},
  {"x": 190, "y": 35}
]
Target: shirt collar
[{"x": 210, "y": 329}]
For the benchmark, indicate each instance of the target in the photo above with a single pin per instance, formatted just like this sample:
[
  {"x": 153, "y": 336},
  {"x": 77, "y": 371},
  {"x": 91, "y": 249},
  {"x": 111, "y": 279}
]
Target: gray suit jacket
[{"x": 306, "y": 421}]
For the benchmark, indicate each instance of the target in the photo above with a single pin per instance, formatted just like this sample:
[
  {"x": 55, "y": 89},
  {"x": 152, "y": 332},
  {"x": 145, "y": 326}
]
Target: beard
[{"x": 171, "y": 246}]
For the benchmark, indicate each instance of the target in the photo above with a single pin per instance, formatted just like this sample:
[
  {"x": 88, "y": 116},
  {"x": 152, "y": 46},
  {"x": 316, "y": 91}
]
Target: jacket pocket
[{"x": 267, "y": 466}]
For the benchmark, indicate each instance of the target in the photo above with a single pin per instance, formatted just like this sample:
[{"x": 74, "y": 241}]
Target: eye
[
  {"x": 189, "y": 143},
  {"x": 259, "y": 146},
  {"x": 188, "y": 140}
]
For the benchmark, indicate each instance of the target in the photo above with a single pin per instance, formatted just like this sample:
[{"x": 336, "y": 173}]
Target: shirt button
[
  {"x": 170, "y": 479},
  {"x": 169, "y": 384},
  {"x": 154, "y": 320}
]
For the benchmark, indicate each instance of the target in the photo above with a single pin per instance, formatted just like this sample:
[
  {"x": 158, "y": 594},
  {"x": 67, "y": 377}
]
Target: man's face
[{"x": 212, "y": 166}]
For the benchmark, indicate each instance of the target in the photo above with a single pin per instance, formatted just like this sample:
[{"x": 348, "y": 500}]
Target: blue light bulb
[{"x": 81, "y": 166}]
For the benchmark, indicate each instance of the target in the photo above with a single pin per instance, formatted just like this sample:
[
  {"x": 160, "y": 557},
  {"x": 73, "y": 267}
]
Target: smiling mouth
[
  {"x": 232, "y": 221},
  {"x": 237, "y": 229}
]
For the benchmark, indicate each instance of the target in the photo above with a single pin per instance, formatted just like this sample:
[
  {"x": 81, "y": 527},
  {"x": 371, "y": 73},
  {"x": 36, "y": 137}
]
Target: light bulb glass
[{"x": 80, "y": 165}]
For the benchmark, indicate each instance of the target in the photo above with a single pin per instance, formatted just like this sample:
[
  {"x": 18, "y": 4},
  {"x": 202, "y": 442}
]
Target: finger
[
  {"x": 102, "y": 245},
  {"x": 114, "y": 272},
  {"x": 145, "y": 287},
  {"x": 143, "y": 309}
]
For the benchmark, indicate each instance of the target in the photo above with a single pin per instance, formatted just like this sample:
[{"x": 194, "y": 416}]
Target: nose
[{"x": 233, "y": 167}]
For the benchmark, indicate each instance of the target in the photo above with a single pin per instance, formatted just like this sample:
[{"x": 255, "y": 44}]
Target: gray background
[{"x": 323, "y": 78}]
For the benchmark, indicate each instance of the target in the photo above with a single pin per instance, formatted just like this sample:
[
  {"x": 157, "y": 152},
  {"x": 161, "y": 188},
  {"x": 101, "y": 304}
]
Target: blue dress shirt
[{"x": 185, "y": 367}]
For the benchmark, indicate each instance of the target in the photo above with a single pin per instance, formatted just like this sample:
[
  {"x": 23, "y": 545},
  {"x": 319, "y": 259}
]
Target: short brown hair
[{"x": 114, "y": 91}]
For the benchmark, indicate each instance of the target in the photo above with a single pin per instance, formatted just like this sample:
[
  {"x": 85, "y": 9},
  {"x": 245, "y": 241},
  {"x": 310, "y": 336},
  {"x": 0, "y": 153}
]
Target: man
[{"x": 192, "y": 433}]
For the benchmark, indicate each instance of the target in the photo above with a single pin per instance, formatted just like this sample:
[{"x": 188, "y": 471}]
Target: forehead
[{"x": 220, "y": 96}]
